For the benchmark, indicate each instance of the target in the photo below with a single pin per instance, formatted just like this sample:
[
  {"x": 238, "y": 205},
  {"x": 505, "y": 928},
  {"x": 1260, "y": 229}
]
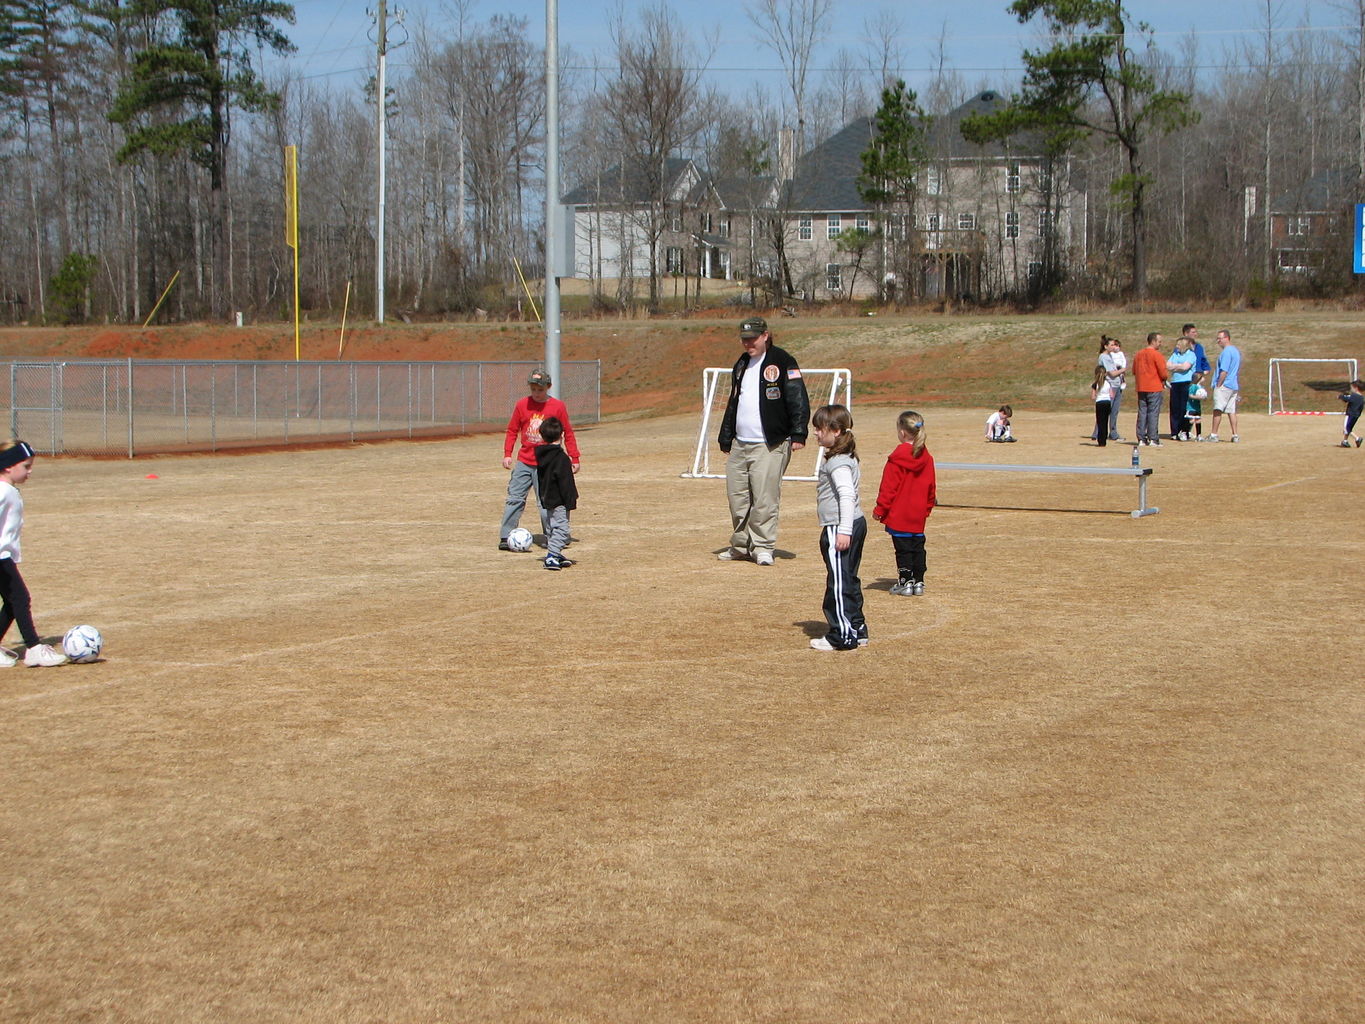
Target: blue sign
[{"x": 1360, "y": 238}]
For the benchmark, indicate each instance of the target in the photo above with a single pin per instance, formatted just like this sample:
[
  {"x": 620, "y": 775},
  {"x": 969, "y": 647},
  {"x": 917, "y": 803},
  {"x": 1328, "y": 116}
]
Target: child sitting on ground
[{"x": 998, "y": 425}]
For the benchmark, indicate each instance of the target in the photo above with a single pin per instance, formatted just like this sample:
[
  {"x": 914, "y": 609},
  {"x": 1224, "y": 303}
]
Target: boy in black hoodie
[{"x": 558, "y": 492}]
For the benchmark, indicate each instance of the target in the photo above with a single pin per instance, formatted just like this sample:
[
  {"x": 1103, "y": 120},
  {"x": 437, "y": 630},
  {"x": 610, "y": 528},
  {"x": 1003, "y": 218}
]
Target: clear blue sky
[{"x": 982, "y": 41}]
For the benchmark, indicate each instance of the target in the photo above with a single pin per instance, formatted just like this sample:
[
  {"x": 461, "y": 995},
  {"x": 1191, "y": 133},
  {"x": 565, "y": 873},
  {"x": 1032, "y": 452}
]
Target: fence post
[{"x": 131, "y": 395}]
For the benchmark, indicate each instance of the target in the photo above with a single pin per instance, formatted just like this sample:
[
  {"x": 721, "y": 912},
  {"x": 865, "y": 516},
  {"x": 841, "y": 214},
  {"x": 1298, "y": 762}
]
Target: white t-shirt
[
  {"x": 11, "y": 520},
  {"x": 748, "y": 422}
]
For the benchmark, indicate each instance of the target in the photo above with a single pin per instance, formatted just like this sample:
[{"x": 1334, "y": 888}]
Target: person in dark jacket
[
  {"x": 558, "y": 492},
  {"x": 765, "y": 421}
]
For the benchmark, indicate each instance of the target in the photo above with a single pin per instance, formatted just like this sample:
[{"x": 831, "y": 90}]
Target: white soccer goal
[
  {"x": 1312, "y": 390},
  {"x": 825, "y": 387}
]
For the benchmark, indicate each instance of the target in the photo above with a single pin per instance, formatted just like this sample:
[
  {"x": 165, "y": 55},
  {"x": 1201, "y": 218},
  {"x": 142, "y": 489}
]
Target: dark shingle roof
[
  {"x": 1325, "y": 192},
  {"x": 827, "y": 175},
  {"x": 626, "y": 183}
]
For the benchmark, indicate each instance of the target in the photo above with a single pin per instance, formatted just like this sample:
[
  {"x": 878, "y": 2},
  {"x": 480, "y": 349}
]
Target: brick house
[{"x": 1309, "y": 224}]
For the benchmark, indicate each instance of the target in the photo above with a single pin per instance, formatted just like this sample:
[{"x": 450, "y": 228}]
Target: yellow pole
[
  {"x": 291, "y": 226},
  {"x": 174, "y": 278},
  {"x": 345, "y": 305},
  {"x": 528, "y": 289}
]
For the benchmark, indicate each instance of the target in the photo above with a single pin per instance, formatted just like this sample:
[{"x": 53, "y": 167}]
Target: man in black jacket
[{"x": 765, "y": 421}]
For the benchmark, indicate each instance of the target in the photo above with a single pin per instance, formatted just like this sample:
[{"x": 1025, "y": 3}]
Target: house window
[
  {"x": 834, "y": 277},
  {"x": 725, "y": 226},
  {"x": 1298, "y": 225},
  {"x": 804, "y": 230},
  {"x": 1012, "y": 177},
  {"x": 966, "y": 222},
  {"x": 675, "y": 224},
  {"x": 863, "y": 224},
  {"x": 1011, "y": 225},
  {"x": 832, "y": 225},
  {"x": 898, "y": 227},
  {"x": 933, "y": 181},
  {"x": 1044, "y": 222},
  {"x": 706, "y": 224},
  {"x": 673, "y": 260},
  {"x": 933, "y": 222}
]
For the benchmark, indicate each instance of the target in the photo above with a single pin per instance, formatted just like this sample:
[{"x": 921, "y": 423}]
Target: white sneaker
[
  {"x": 8, "y": 659},
  {"x": 763, "y": 558},
  {"x": 731, "y": 555},
  {"x": 1213, "y": 438},
  {"x": 43, "y": 656},
  {"x": 1235, "y": 438}
]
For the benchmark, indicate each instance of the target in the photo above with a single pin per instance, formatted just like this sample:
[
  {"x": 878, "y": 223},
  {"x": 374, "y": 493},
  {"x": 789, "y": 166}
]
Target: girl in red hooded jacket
[{"x": 906, "y": 497}]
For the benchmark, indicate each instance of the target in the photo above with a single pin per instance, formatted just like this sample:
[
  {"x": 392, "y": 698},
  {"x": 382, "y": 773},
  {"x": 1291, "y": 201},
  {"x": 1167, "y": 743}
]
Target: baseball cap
[
  {"x": 539, "y": 377},
  {"x": 753, "y": 327}
]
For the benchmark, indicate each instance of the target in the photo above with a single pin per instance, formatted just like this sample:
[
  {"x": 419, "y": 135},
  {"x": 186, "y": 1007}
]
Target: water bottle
[{"x": 1135, "y": 457}]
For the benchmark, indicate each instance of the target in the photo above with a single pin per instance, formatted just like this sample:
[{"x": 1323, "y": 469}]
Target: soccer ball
[
  {"x": 520, "y": 539},
  {"x": 1199, "y": 394},
  {"x": 82, "y": 643}
]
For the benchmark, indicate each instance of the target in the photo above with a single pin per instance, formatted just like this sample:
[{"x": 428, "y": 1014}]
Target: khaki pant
[{"x": 753, "y": 485}]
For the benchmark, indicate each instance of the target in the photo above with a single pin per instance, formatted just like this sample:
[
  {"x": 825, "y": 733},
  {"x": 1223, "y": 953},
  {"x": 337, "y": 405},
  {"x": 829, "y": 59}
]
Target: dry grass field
[{"x": 345, "y": 762}]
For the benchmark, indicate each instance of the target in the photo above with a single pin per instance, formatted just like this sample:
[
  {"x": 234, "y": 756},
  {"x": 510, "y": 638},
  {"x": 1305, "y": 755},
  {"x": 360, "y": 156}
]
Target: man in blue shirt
[{"x": 1225, "y": 385}]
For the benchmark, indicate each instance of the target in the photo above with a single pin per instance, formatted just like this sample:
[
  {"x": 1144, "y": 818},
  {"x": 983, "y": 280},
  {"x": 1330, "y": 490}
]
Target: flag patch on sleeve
[{"x": 794, "y": 373}]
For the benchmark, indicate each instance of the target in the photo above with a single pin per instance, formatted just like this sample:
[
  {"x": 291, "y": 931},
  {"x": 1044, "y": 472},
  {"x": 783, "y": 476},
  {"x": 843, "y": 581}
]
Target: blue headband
[{"x": 19, "y": 453}]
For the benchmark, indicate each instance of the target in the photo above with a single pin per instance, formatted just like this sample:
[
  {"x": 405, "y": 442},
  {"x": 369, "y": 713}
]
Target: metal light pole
[
  {"x": 380, "y": 133},
  {"x": 552, "y": 208}
]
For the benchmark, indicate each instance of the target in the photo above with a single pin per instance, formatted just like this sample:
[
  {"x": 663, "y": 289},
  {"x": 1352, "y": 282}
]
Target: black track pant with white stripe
[{"x": 843, "y": 589}]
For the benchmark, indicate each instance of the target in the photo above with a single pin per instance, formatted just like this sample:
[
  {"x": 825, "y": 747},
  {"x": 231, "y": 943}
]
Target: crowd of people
[{"x": 1184, "y": 375}]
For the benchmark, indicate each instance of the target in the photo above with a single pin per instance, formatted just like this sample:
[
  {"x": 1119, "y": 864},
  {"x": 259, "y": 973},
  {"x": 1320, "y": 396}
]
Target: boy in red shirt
[{"x": 524, "y": 426}]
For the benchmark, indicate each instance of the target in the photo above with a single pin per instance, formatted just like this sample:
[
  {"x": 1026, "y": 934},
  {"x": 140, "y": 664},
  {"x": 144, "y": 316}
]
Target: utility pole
[
  {"x": 382, "y": 38},
  {"x": 553, "y": 223}
]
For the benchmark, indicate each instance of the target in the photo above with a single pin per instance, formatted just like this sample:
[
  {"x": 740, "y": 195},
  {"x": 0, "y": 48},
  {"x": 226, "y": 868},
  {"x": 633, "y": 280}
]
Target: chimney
[{"x": 786, "y": 154}]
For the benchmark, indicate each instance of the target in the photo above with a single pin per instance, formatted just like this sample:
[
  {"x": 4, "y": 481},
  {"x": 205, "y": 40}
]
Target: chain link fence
[{"x": 127, "y": 407}]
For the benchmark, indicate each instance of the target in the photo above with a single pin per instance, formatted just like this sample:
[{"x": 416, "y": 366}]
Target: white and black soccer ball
[
  {"x": 520, "y": 539},
  {"x": 82, "y": 643}
]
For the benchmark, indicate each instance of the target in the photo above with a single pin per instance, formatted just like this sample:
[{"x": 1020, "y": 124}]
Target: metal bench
[{"x": 1141, "y": 472}]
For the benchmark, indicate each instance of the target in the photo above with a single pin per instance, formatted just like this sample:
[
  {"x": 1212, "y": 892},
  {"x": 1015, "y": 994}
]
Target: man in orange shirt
[{"x": 1149, "y": 367}]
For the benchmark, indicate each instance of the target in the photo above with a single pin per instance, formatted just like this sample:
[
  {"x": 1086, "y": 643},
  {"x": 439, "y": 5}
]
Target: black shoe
[
  {"x": 552, "y": 562},
  {"x": 504, "y": 546}
]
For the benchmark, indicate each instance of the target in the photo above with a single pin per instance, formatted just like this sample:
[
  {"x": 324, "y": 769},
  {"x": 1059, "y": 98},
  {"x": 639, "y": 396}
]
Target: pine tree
[
  {"x": 892, "y": 163},
  {"x": 1090, "y": 83},
  {"x": 180, "y": 94}
]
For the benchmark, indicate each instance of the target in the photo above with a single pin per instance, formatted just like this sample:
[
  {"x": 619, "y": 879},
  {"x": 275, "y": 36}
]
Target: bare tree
[
  {"x": 656, "y": 105},
  {"x": 791, "y": 28}
]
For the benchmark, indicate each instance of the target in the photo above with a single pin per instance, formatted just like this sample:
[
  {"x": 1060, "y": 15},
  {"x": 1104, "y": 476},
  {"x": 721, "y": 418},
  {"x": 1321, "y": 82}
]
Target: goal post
[
  {"x": 1295, "y": 387},
  {"x": 824, "y": 386}
]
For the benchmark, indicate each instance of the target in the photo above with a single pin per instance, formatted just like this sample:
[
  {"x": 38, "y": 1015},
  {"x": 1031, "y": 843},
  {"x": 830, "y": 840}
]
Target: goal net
[
  {"x": 1308, "y": 387},
  {"x": 825, "y": 387}
]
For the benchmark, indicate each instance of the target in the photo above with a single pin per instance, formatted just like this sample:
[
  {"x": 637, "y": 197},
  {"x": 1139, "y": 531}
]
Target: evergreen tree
[
  {"x": 182, "y": 88},
  {"x": 1087, "y": 83},
  {"x": 892, "y": 163}
]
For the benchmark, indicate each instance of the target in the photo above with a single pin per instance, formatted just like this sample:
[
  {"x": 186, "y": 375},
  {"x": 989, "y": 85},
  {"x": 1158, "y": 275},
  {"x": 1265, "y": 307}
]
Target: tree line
[{"x": 141, "y": 147}]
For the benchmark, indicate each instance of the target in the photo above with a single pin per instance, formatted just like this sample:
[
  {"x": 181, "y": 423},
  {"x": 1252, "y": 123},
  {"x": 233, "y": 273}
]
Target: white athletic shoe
[
  {"x": 43, "y": 656},
  {"x": 763, "y": 558},
  {"x": 1212, "y": 438},
  {"x": 8, "y": 659},
  {"x": 731, "y": 555},
  {"x": 821, "y": 644},
  {"x": 1235, "y": 438}
]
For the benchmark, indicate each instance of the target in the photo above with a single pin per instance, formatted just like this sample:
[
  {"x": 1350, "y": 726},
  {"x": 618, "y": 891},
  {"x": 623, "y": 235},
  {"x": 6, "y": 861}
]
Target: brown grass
[{"x": 346, "y": 762}]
